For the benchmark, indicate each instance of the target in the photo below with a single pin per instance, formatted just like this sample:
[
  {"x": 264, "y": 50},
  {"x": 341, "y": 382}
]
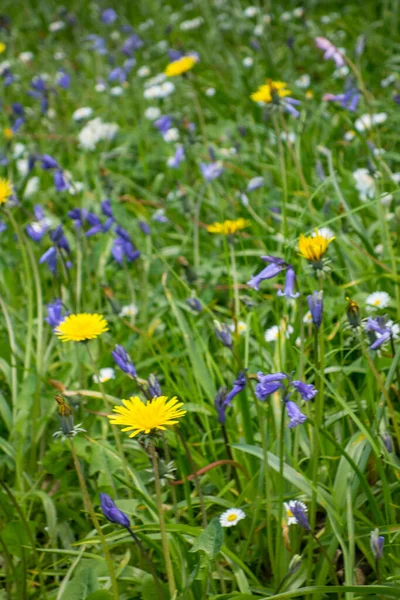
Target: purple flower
[
  {"x": 123, "y": 248},
  {"x": 123, "y": 360},
  {"x": 3, "y": 226},
  {"x": 144, "y": 227},
  {"x": 294, "y": 413},
  {"x": 108, "y": 16},
  {"x": 18, "y": 109},
  {"x": 63, "y": 80},
  {"x": 269, "y": 384},
  {"x": 348, "y": 100},
  {"x": 276, "y": 265},
  {"x": 211, "y": 171},
  {"x": 289, "y": 105},
  {"x": 96, "y": 225},
  {"x": 50, "y": 257},
  {"x": 223, "y": 334},
  {"x": 154, "y": 386},
  {"x": 290, "y": 282},
  {"x": 255, "y": 183},
  {"x": 54, "y": 313},
  {"x": 306, "y": 390},
  {"x": 112, "y": 513},
  {"x": 387, "y": 440},
  {"x": 48, "y": 162},
  {"x": 174, "y": 161},
  {"x": 98, "y": 43},
  {"x": 194, "y": 304},
  {"x": 117, "y": 74},
  {"x": 298, "y": 510},
  {"x": 379, "y": 330},
  {"x": 316, "y": 308},
  {"x": 377, "y": 541},
  {"x": 163, "y": 124},
  {"x": 17, "y": 124},
  {"x": 60, "y": 181},
  {"x": 131, "y": 44},
  {"x": 238, "y": 385},
  {"x": 220, "y": 404},
  {"x": 57, "y": 236},
  {"x": 330, "y": 51}
]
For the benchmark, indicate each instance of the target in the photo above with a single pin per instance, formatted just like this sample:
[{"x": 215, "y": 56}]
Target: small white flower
[
  {"x": 59, "y": 55},
  {"x": 172, "y": 135},
  {"x": 115, "y": 35},
  {"x": 156, "y": 80},
  {"x": 272, "y": 334},
  {"x": 26, "y": 57},
  {"x": 286, "y": 15},
  {"x": 56, "y": 26},
  {"x": 191, "y": 24},
  {"x": 248, "y": 62},
  {"x": 267, "y": 19},
  {"x": 130, "y": 310},
  {"x": 82, "y": 113},
  {"x": 250, "y": 11},
  {"x": 94, "y": 131},
  {"x": 377, "y": 300},
  {"x": 75, "y": 187},
  {"x": 117, "y": 90},
  {"x": 143, "y": 72},
  {"x": 291, "y": 137},
  {"x": 298, "y": 12},
  {"x": 210, "y": 92},
  {"x": 104, "y": 375},
  {"x": 152, "y": 113},
  {"x": 365, "y": 184},
  {"x": 379, "y": 249},
  {"x": 51, "y": 113},
  {"x": 307, "y": 318},
  {"x": 18, "y": 150},
  {"x": 241, "y": 327},
  {"x": 303, "y": 81},
  {"x": 291, "y": 519},
  {"x": 388, "y": 80},
  {"x": 341, "y": 71},
  {"x": 31, "y": 187},
  {"x": 386, "y": 199},
  {"x": 349, "y": 135},
  {"x": 324, "y": 232},
  {"x": 396, "y": 177},
  {"x": 258, "y": 30},
  {"x": 6, "y": 64},
  {"x": 231, "y": 517},
  {"x": 366, "y": 121},
  {"x": 100, "y": 86},
  {"x": 23, "y": 166}
]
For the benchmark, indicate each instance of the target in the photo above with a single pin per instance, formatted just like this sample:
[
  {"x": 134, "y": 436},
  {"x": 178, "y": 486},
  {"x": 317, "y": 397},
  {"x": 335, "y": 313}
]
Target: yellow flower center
[
  {"x": 232, "y": 517},
  {"x": 81, "y": 327},
  {"x": 140, "y": 417},
  {"x": 180, "y": 66},
  {"x": 2, "y": 47},
  {"x": 377, "y": 302},
  {"x": 8, "y": 133},
  {"x": 6, "y": 190}
]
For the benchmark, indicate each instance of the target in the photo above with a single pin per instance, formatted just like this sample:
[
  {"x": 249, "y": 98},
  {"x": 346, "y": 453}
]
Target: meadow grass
[{"x": 332, "y": 166}]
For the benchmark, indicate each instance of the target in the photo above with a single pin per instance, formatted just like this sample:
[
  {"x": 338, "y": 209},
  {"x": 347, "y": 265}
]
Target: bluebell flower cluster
[
  {"x": 123, "y": 360},
  {"x": 380, "y": 330},
  {"x": 224, "y": 398},
  {"x": 275, "y": 266},
  {"x": 60, "y": 248},
  {"x": 269, "y": 384}
]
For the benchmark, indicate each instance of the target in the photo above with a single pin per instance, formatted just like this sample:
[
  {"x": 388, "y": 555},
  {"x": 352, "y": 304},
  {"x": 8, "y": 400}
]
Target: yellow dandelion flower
[
  {"x": 2, "y": 47},
  {"x": 228, "y": 227},
  {"x": 309, "y": 94},
  {"x": 180, "y": 66},
  {"x": 313, "y": 248},
  {"x": 8, "y": 133},
  {"x": 139, "y": 417},
  {"x": 271, "y": 89},
  {"x": 81, "y": 327},
  {"x": 6, "y": 190}
]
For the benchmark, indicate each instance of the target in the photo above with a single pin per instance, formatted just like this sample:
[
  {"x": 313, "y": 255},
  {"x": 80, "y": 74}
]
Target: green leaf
[
  {"x": 210, "y": 540},
  {"x": 15, "y": 536},
  {"x": 82, "y": 585},
  {"x": 100, "y": 595}
]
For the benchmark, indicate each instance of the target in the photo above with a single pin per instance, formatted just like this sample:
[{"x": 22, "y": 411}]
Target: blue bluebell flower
[
  {"x": 123, "y": 360},
  {"x": 131, "y": 44},
  {"x": 377, "y": 542},
  {"x": 298, "y": 510},
  {"x": 108, "y": 16},
  {"x": 63, "y": 80},
  {"x": 194, "y": 304},
  {"x": 50, "y": 257},
  {"x": 306, "y": 390},
  {"x": 163, "y": 124},
  {"x": 223, "y": 333},
  {"x": 294, "y": 413},
  {"x": 3, "y": 226},
  {"x": 98, "y": 44},
  {"x": 174, "y": 161},
  {"x": 122, "y": 247},
  {"x": 220, "y": 404},
  {"x": 144, "y": 227},
  {"x": 289, "y": 105},
  {"x": 275, "y": 266},
  {"x": 269, "y": 384},
  {"x": 96, "y": 224},
  {"x": 255, "y": 183},
  {"x": 154, "y": 386},
  {"x": 55, "y": 313},
  {"x": 8, "y": 77},
  {"x": 18, "y": 109},
  {"x": 238, "y": 385},
  {"x": 60, "y": 181},
  {"x": 349, "y": 99},
  {"x": 57, "y": 236},
  {"x": 112, "y": 513},
  {"x": 380, "y": 331},
  {"x": 211, "y": 170},
  {"x": 316, "y": 307},
  {"x": 290, "y": 282},
  {"x": 37, "y": 229},
  {"x": 48, "y": 162},
  {"x": 387, "y": 440},
  {"x": 107, "y": 211}
]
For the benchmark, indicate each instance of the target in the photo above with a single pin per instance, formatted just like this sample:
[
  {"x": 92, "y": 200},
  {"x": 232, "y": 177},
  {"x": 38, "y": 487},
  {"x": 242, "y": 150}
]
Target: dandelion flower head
[
  {"x": 81, "y": 327},
  {"x": 180, "y": 66},
  {"x": 228, "y": 227},
  {"x": 314, "y": 247},
  {"x": 6, "y": 190},
  {"x": 139, "y": 417},
  {"x": 271, "y": 89}
]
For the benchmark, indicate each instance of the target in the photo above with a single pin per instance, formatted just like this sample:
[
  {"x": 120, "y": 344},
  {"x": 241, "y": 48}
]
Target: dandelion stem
[
  {"x": 89, "y": 506},
  {"x": 163, "y": 531}
]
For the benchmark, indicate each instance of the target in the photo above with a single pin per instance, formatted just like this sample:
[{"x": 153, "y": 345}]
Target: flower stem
[
  {"x": 196, "y": 477},
  {"x": 89, "y": 506},
  {"x": 163, "y": 531},
  {"x": 234, "y": 280},
  {"x": 149, "y": 562}
]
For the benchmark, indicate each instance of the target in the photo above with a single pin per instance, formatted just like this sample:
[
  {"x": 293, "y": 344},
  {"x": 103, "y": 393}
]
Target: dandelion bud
[{"x": 353, "y": 313}]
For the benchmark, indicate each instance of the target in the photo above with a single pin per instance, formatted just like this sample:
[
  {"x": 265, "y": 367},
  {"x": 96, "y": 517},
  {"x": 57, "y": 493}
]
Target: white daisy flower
[
  {"x": 172, "y": 135},
  {"x": 272, "y": 334},
  {"x": 143, "y": 71},
  {"x": 366, "y": 121},
  {"x": 303, "y": 81},
  {"x": 56, "y": 26},
  {"x": 291, "y": 519},
  {"x": 365, "y": 184},
  {"x": 130, "y": 310},
  {"x": 117, "y": 90},
  {"x": 324, "y": 232},
  {"x": 241, "y": 327},
  {"x": 307, "y": 319},
  {"x": 388, "y": 80},
  {"x": 210, "y": 92},
  {"x": 377, "y": 300},
  {"x": 248, "y": 62},
  {"x": 104, "y": 375},
  {"x": 250, "y": 11},
  {"x": 258, "y": 30},
  {"x": 349, "y": 135},
  {"x": 231, "y": 517},
  {"x": 82, "y": 113},
  {"x": 152, "y": 113},
  {"x": 100, "y": 86},
  {"x": 191, "y": 24},
  {"x": 31, "y": 187},
  {"x": 26, "y": 57}
]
